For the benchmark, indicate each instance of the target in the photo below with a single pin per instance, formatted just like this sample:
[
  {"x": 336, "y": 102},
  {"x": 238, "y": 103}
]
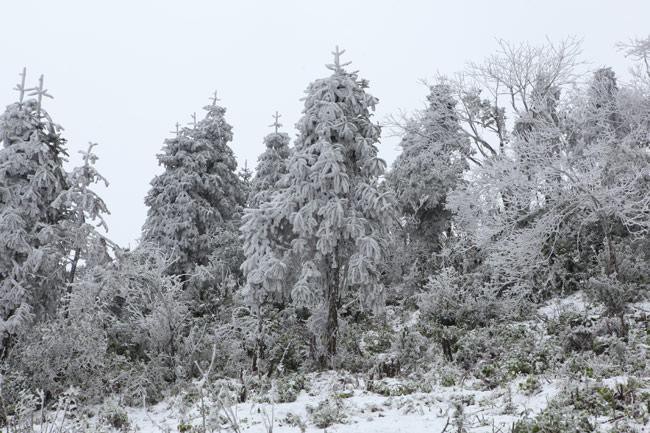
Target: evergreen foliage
[
  {"x": 432, "y": 163},
  {"x": 271, "y": 164},
  {"x": 197, "y": 195},
  {"x": 32, "y": 251},
  {"x": 323, "y": 231}
]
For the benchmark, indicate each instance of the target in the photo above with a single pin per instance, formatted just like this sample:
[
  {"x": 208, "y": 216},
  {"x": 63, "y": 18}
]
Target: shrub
[
  {"x": 328, "y": 412},
  {"x": 392, "y": 387},
  {"x": 286, "y": 388},
  {"x": 530, "y": 386},
  {"x": 295, "y": 421},
  {"x": 67, "y": 351},
  {"x": 115, "y": 417}
]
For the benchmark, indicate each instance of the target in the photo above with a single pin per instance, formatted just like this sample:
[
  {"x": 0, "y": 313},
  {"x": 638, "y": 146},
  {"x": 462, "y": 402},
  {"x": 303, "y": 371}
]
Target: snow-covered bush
[
  {"x": 615, "y": 295},
  {"x": 276, "y": 343},
  {"x": 410, "y": 349},
  {"x": 31, "y": 413},
  {"x": 555, "y": 418},
  {"x": 212, "y": 284},
  {"x": 393, "y": 387},
  {"x": 67, "y": 351},
  {"x": 327, "y": 412},
  {"x": 499, "y": 353},
  {"x": 576, "y": 409},
  {"x": 125, "y": 327},
  {"x": 453, "y": 303},
  {"x": 294, "y": 420},
  {"x": 285, "y": 389},
  {"x": 113, "y": 415}
]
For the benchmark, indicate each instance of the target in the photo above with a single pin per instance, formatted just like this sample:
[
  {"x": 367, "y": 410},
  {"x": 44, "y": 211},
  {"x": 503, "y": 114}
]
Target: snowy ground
[
  {"x": 435, "y": 411},
  {"x": 366, "y": 411},
  {"x": 355, "y": 409}
]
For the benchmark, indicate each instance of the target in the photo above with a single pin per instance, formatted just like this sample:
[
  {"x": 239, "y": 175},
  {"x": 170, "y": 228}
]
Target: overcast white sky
[{"x": 123, "y": 72}]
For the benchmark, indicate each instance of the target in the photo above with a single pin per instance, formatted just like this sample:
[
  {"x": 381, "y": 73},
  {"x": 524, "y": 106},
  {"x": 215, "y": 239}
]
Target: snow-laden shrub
[
  {"x": 383, "y": 346},
  {"x": 615, "y": 295},
  {"x": 393, "y": 387},
  {"x": 124, "y": 327},
  {"x": 30, "y": 412},
  {"x": 454, "y": 299},
  {"x": 499, "y": 353},
  {"x": 555, "y": 419},
  {"x": 115, "y": 416},
  {"x": 629, "y": 398},
  {"x": 330, "y": 411},
  {"x": 294, "y": 420},
  {"x": 577, "y": 408},
  {"x": 410, "y": 349},
  {"x": 62, "y": 353},
  {"x": 449, "y": 375},
  {"x": 454, "y": 304},
  {"x": 273, "y": 344},
  {"x": 531, "y": 385},
  {"x": 285, "y": 389}
]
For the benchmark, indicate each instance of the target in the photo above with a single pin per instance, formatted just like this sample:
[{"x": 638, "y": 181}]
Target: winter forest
[{"x": 493, "y": 278}]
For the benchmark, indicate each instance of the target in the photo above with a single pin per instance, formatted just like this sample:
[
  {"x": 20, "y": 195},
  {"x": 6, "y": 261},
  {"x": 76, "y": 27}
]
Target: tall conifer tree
[
  {"x": 197, "y": 194},
  {"x": 32, "y": 254},
  {"x": 327, "y": 222}
]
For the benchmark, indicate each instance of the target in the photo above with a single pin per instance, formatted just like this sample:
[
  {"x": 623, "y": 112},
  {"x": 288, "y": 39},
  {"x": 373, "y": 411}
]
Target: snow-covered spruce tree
[
  {"x": 32, "y": 255},
  {"x": 271, "y": 164},
  {"x": 322, "y": 232},
  {"x": 197, "y": 196},
  {"x": 246, "y": 176},
  {"x": 85, "y": 212},
  {"x": 432, "y": 162}
]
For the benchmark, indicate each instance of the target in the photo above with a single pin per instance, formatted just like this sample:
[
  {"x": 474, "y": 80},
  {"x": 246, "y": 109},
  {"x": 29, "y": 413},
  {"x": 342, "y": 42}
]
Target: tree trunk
[
  {"x": 257, "y": 356},
  {"x": 73, "y": 269},
  {"x": 612, "y": 266},
  {"x": 332, "y": 310},
  {"x": 71, "y": 275}
]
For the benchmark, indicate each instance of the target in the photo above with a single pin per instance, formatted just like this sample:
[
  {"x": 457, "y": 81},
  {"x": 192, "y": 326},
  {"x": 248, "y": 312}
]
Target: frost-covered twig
[{"x": 268, "y": 419}]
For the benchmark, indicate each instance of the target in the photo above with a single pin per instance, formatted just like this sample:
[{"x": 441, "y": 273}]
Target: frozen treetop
[
  {"x": 214, "y": 99},
  {"x": 214, "y": 109},
  {"x": 21, "y": 87},
  {"x": 177, "y": 132},
  {"x": 276, "y": 124},
  {"x": 337, "y": 66},
  {"x": 39, "y": 92}
]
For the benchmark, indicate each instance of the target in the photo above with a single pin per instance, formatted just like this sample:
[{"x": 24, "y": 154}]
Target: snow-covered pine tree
[
  {"x": 246, "y": 176},
  {"x": 31, "y": 178},
  {"x": 323, "y": 231},
  {"x": 432, "y": 163},
  {"x": 85, "y": 212},
  {"x": 197, "y": 194},
  {"x": 271, "y": 164}
]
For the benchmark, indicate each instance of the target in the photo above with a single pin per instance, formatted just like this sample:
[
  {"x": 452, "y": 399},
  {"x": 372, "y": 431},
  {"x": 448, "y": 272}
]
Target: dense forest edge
[{"x": 493, "y": 279}]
